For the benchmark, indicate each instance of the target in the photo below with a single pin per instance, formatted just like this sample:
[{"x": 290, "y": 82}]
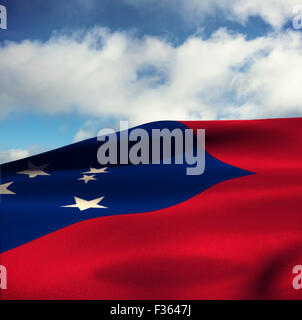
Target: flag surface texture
[{"x": 149, "y": 231}]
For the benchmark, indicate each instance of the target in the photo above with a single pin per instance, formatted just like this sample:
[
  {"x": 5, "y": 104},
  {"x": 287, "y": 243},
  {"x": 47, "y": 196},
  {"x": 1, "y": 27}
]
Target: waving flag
[{"x": 73, "y": 229}]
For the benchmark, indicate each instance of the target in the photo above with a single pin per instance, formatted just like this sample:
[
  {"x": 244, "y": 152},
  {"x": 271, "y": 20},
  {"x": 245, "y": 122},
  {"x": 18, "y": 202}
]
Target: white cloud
[
  {"x": 88, "y": 130},
  {"x": 9, "y": 155},
  {"x": 105, "y": 74},
  {"x": 274, "y": 12},
  {"x": 13, "y": 154}
]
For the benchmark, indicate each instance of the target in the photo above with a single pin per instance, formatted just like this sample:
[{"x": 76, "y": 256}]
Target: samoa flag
[{"x": 73, "y": 229}]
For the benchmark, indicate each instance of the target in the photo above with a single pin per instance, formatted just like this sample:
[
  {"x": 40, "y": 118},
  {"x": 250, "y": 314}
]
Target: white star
[
  {"x": 4, "y": 190},
  {"x": 87, "y": 178},
  {"x": 84, "y": 204},
  {"x": 34, "y": 171},
  {"x": 94, "y": 170}
]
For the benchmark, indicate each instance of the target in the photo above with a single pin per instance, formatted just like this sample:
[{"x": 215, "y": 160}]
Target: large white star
[
  {"x": 84, "y": 204},
  {"x": 34, "y": 171},
  {"x": 86, "y": 178},
  {"x": 94, "y": 170},
  {"x": 4, "y": 190}
]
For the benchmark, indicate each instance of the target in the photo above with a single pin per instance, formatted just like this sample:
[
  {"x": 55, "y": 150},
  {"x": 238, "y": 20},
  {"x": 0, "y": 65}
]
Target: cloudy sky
[{"x": 70, "y": 68}]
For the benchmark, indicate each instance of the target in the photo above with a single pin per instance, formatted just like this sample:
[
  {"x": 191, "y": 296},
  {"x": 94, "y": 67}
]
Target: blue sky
[
  {"x": 38, "y": 19},
  {"x": 70, "y": 68}
]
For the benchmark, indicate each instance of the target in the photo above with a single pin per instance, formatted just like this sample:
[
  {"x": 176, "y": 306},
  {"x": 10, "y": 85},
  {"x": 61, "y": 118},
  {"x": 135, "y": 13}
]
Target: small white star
[
  {"x": 94, "y": 170},
  {"x": 84, "y": 204},
  {"x": 86, "y": 178},
  {"x": 34, "y": 171},
  {"x": 4, "y": 190}
]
